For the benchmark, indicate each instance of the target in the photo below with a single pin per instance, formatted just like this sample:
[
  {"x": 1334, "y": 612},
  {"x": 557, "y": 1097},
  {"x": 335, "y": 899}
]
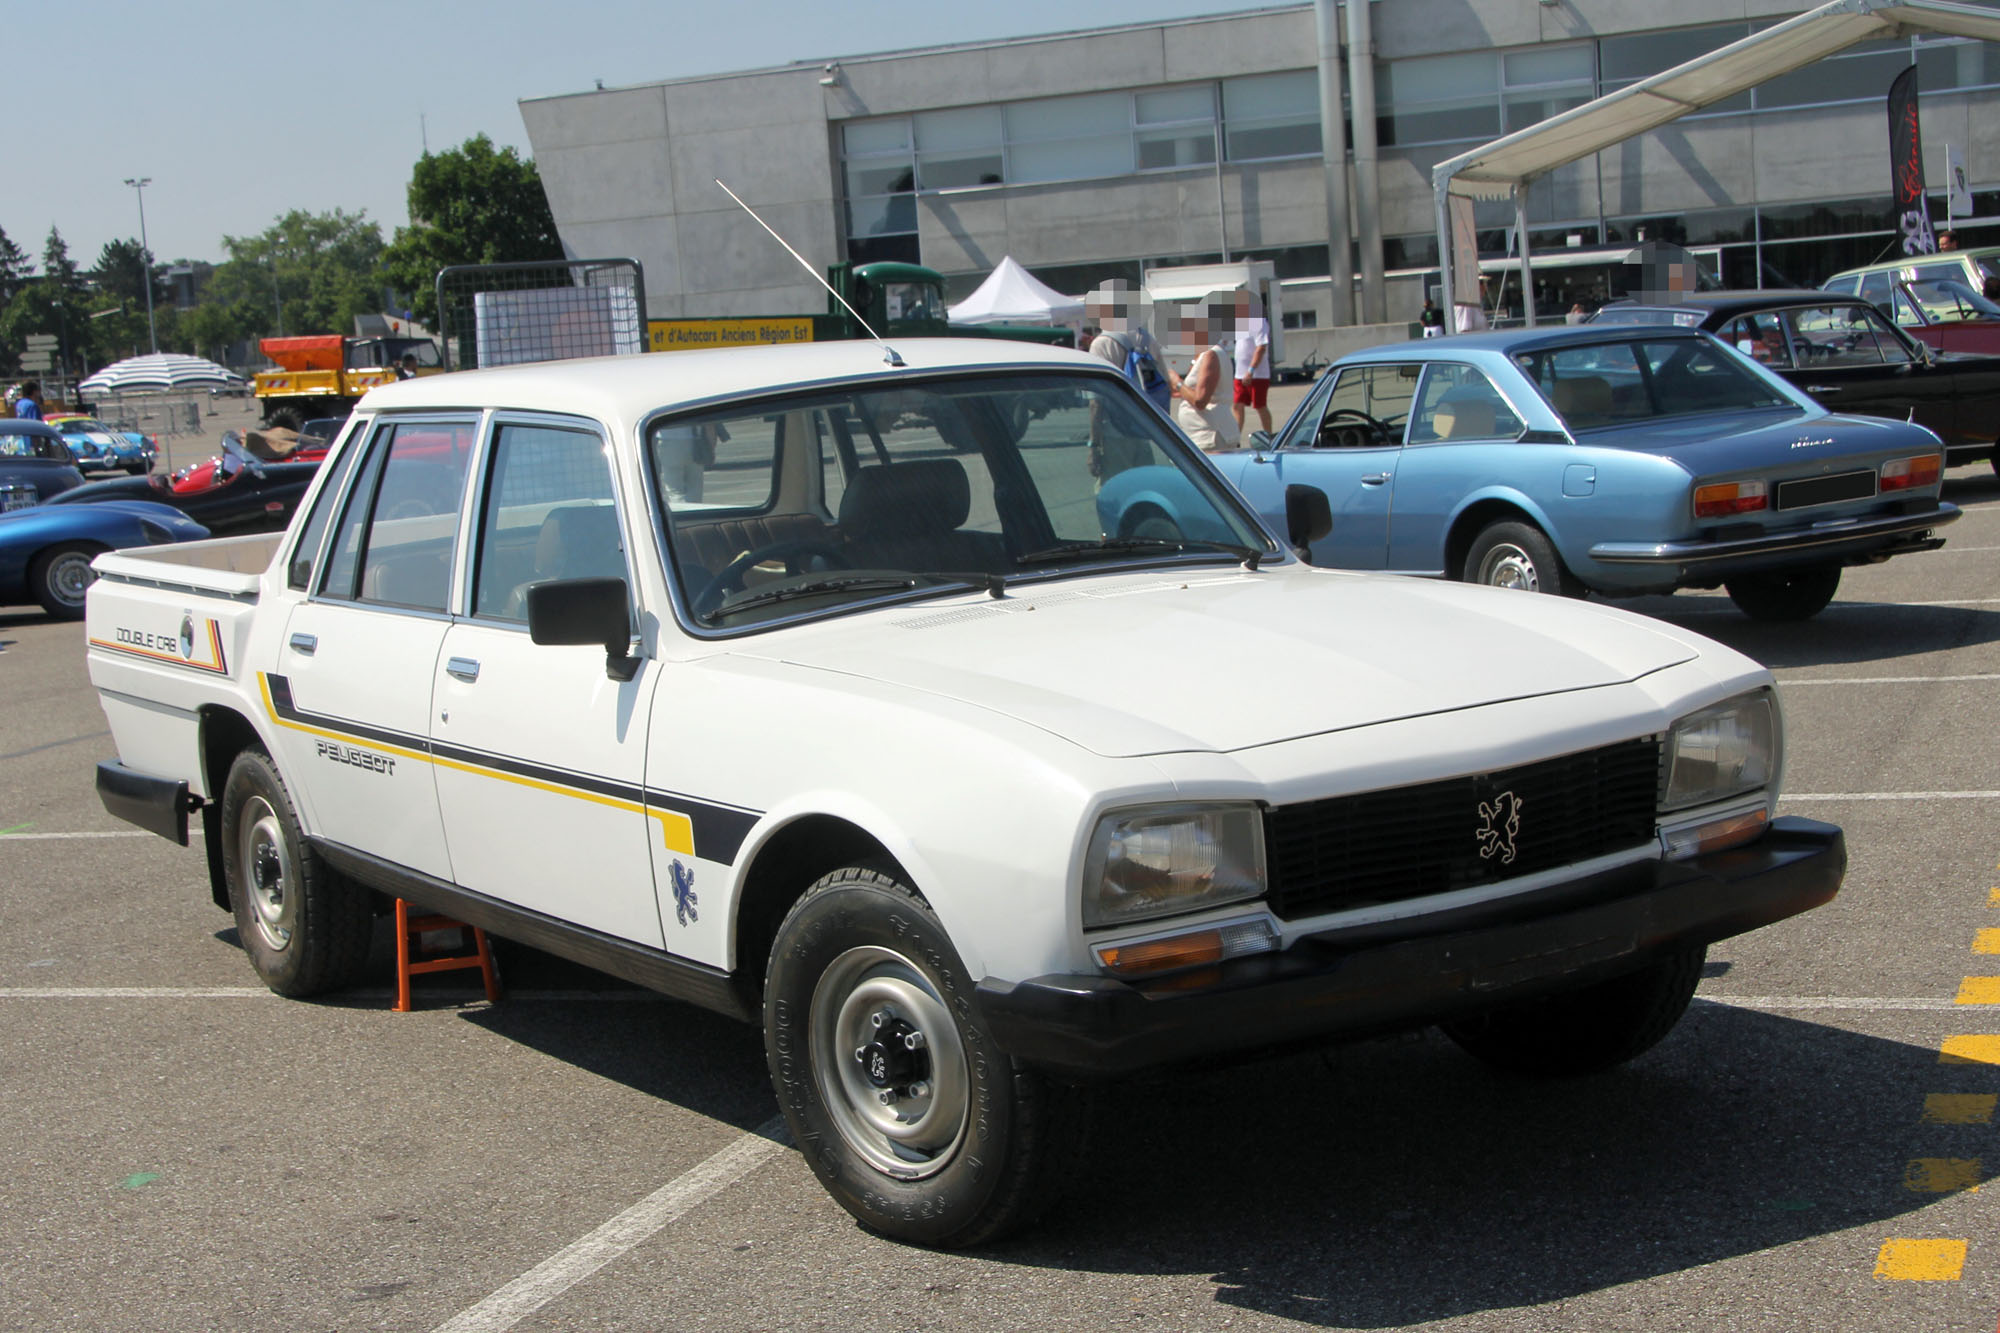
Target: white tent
[{"x": 1012, "y": 295}]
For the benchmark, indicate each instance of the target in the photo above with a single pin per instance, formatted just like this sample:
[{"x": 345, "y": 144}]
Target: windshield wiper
[
  {"x": 1249, "y": 555},
  {"x": 816, "y": 588}
]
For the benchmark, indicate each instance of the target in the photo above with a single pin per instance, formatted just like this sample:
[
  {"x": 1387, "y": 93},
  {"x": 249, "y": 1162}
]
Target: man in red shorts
[{"x": 1253, "y": 362}]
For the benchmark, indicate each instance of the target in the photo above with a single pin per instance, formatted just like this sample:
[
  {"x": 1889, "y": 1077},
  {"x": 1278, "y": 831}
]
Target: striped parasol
[{"x": 162, "y": 370}]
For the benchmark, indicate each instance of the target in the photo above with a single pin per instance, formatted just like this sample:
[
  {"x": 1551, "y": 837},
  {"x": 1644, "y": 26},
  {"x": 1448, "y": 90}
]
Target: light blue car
[{"x": 1607, "y": 459}]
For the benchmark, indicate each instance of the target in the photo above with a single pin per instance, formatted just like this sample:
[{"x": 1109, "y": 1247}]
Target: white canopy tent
[
  {"x": 1012, "y": 295},
  {"x": 1505, "y": 166}
]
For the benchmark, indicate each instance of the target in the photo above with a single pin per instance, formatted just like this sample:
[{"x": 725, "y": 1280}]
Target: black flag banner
[{"x": 1906, "y": 165}]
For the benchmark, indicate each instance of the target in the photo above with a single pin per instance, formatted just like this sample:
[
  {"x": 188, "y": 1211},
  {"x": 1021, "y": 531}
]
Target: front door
[
  {"x": 540, "y": 754},
  {"x": 1852, "y": 359}
]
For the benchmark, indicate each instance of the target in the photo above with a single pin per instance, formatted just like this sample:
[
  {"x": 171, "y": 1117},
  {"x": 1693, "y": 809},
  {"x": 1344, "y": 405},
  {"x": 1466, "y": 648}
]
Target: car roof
[
  {"x": 24, "y": 426},
  {"x": 627, "y": 388},
  {"x": 1505, "y": 342},
  {"x": 1735, "y": 302},
  {"x": 1906, "y": 261}
]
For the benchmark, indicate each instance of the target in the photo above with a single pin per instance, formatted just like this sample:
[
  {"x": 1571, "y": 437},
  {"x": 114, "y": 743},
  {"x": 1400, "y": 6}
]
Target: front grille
[
  {"x": 1825, "y": 490},
  {"x": 1411, "y": 842}
]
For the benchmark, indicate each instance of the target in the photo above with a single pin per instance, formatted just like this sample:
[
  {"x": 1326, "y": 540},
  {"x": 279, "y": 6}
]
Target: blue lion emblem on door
[{"x": 684, "y": 898}]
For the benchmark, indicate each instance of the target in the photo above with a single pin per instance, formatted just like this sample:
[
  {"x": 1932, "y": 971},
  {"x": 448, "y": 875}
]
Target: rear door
[{"x": 351, "y": 697}]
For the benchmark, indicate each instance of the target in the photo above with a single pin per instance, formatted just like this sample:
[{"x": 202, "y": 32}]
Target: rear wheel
[
  {"x": 1517, "y": 555},
  {"x": 288, "y": 418},
  {"x": 1798, "y": 594},
  {"x": 304, "y": 925},
  {"x": 1583, "y": 1031},
  {"x": 61, "y": 575},
  {"x": 914, "y": 1121}
]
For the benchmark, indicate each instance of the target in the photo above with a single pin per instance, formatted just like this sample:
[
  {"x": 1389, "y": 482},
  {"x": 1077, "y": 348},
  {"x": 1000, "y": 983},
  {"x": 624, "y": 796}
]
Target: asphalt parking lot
[{"x": 181, "y": 1150}]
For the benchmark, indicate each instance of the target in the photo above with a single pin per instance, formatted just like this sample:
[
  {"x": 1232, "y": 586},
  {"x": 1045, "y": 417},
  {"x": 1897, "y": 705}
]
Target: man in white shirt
[{"x": 1253, "y": 362}]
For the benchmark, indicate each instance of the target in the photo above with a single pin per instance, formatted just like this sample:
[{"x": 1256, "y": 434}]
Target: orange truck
[{"x": 325, "y": 374}]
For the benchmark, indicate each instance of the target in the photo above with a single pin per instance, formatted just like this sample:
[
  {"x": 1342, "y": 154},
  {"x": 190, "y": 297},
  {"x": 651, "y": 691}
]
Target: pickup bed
[{"x": 819, "y": 686}]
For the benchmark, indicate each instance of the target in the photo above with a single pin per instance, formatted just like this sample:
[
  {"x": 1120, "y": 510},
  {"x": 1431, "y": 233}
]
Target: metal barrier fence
[{"x": 543, "y": 310}]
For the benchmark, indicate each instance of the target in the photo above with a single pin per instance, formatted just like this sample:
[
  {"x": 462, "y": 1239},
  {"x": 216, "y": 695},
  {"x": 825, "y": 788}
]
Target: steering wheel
[
  {"x": 794, "y": 554},
  {"x": 1374, "y": 424}
]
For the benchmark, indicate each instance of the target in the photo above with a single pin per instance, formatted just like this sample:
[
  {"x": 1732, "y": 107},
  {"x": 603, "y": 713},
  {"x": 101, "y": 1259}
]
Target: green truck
[{"x": 897, "y": 300}]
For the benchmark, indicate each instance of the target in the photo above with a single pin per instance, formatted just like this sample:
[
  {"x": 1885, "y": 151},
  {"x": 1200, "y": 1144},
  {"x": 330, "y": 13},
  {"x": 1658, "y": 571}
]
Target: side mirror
[
  {"x": 579, "y": 611},
  {"x": 1308, "y": 515}
]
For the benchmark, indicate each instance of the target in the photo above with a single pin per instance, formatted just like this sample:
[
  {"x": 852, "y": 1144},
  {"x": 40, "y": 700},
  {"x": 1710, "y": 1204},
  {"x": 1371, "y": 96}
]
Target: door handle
[
  {"x": 1824, "y": 388},
  {"x": 464, "y": 668},
  {"x": 1375, "y": 479},
  {"x": 305, "y": 643}
]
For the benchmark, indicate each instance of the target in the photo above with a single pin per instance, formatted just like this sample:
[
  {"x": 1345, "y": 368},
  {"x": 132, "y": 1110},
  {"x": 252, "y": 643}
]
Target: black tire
[
  {"x": 305, "y": 926},
  {"x": 1517, "y": 555},
  {"x": 61, "y": 575},
  {"x": 979, "y": 1145},
  {"x": 289, "y": 418},
  {"x": 1799, "y": 594},
  {"x": 1584, "y": 1031}
]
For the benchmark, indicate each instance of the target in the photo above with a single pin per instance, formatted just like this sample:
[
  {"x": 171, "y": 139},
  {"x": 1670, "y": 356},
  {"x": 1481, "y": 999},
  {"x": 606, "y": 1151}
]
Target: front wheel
[
  {"x": 914, "y": 1121},
  {"x": 1798, "y": 594},
  {"x": 1517, "y": 555},
  {"x": 61, "y": 576},
  {"x": 1583, "y": 1031},
  {"x": 304, "y": 925}
]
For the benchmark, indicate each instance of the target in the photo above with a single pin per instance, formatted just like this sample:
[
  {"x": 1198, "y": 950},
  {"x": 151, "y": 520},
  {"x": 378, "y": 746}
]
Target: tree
[
  {"x": 306, "y": 273},
  {"x": 474, "y": 204},
  {"x": 118, "y": 312},
  {"x": 15, "y": 269}
]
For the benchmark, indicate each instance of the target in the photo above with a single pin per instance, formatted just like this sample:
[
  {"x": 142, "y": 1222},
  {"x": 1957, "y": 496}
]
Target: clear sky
[{"x": 240, "y": 112}]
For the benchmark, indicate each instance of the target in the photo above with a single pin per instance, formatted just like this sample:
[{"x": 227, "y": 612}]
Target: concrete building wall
[{"x": 632, "y": 171}]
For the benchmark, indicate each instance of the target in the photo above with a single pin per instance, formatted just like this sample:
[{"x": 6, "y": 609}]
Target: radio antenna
[{"x": 888, "y": 353}]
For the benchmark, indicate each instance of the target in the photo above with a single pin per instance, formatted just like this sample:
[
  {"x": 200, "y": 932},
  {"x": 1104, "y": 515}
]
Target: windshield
[
  {"x": 1596, "y": 385},
  {"x": 1948, "y": 300},
  {"x": 815, "y": 503}
]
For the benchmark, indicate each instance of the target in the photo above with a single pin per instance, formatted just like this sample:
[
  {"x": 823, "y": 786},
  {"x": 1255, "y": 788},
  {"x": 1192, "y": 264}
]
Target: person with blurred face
[
  {"x": 1253, "y": 363},
  {"x": 1198, "y": 408}
]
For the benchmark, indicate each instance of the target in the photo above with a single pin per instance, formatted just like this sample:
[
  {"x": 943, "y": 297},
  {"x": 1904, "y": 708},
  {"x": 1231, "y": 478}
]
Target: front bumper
[
  {"x": 1416, "y": 972},
  {"x": 1831, "y": 541}
]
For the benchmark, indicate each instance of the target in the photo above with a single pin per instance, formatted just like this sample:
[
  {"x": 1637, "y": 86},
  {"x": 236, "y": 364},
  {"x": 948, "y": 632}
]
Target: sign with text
[
  {"x": 679, "y": 335},
  {"x": 1906, "y": 166}
]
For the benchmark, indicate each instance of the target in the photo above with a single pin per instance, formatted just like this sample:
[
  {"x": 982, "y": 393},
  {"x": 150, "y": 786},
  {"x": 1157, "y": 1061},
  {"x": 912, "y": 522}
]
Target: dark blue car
[{"x": 45, "y": 551}]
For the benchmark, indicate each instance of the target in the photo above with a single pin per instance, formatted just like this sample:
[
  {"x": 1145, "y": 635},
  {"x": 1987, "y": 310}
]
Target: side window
[
  {"x": 1458, "y": 402},
  {"x": 1305, "y": 426},
  {"x": 1761, "y": 338},
  {"x": 1875, "y": 287},
  {"x": 549, "y": 514},
  {"x": 1829, "y": 337},
  {"x": 1369, "y": 406},
  {"x": 399, "y": 531},
  {"x": 306, "y": 550},
  {"x": 1906, "y": 311},
  {"x": 1845, "y": 286}
]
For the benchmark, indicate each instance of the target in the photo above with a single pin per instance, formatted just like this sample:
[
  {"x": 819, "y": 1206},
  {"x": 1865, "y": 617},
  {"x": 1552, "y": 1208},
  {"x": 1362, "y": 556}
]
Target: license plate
[
  {"x": 12, "y": 498},
  {"x": 1826, "y": 490}
]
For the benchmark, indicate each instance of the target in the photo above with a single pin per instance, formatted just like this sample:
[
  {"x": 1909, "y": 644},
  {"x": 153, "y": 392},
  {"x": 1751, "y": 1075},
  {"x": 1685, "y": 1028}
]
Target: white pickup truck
[{"x": 817, "y": 685}]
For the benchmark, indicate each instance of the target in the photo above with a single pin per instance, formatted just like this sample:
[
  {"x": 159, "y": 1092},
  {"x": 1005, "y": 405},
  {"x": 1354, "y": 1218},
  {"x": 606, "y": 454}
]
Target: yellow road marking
[
  {"x": 1987, "y": 940},
  {"x": 1941, "y": 1175},
  {"x": 1978, "y": 990},
  {"x": 1921, "y": 1260},
  {"x": 1960, "y": 1108},
  {"x": 1972, "y": 1048}
]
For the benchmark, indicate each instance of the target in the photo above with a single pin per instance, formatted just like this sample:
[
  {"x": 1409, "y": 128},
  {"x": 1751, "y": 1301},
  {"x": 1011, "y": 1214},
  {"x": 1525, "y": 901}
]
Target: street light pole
[{"x": 139, "y": 184}]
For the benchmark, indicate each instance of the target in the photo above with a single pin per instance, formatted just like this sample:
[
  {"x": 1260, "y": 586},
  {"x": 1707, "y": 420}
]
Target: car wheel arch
[
  {"x": 785, "y": 862},
  {"x": 224, "y": 734},
  {"x": 1480, "y": 514}
]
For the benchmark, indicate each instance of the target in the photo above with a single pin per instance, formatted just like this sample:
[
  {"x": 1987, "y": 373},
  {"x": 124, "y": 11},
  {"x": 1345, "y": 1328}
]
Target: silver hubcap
[
  {"x": 1508, "y": 566},
  {"x": 889, "y": 1064},
  {"x": 260, "y": 851},
  {"x": 69, "y": 576}
]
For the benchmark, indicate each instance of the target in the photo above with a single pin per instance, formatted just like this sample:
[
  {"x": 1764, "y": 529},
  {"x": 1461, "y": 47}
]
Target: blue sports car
[
  {"x": 108, "y": 448},
  {"x": 1616, "y": 460},
  {"x": 45, "y": 551}
]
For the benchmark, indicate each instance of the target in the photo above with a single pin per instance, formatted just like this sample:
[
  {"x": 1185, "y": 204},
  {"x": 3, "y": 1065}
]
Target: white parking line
[
  {"x": 54, "y": 837},
  {"x": 1883, "y": 680},
  {"x": 441, "y": 995},
  {"x": 1859, "y": 1002},
  {"x": 1891, "y": 796},
  {"x": 572, "y": 1264}
]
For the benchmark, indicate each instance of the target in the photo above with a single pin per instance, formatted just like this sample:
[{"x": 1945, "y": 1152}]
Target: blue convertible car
[
  {"x": 1583, "y": 459},
  {"x": 46, "y": 550}
]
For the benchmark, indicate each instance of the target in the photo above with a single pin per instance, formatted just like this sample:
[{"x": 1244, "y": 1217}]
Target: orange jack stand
[{"x": 410, "y": 960}]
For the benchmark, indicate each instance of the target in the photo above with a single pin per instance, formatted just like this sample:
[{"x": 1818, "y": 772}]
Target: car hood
[
  {"x": 1770, "y": 442},
  {"x": 1218, "y": 661}
]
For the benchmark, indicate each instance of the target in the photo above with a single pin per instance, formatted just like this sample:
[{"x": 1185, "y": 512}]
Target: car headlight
[
  {"x": 1167, "y": 859},
  {"x": 1722, "y": 751}
]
